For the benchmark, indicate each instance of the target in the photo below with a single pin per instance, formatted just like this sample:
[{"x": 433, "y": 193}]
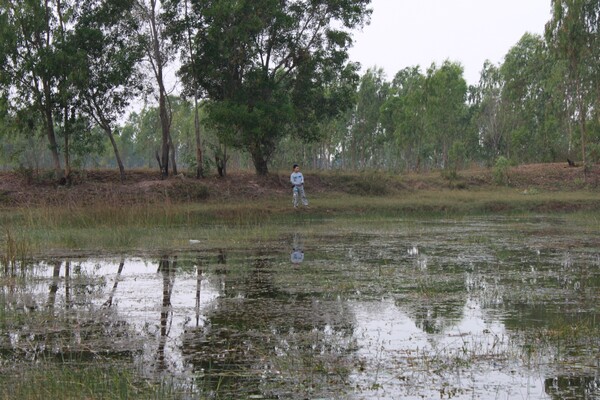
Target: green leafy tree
[
  {"x": 181, "y": 28},
  {"x": 159, "y": 53},
  {"x": 35, "y": 60},
  {"x": 147, "y": 126},
  {"x": 486, "y": 100},
  {"x": 527, "y": 102},
  {"x": 404, "y": 114},
  {"x": 22, "y": 142},
  {"x": 108, "y": 51},
  {"x": 446, "y": 94},
  {"x": 267, "y": 67},
  {"x": 573, "y": 35},
  {"x": 367, "y": 133}
]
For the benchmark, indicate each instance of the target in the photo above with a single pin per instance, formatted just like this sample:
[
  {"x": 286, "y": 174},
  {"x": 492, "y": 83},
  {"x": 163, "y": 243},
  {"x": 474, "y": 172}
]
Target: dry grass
[{"x": 146, "y": 187}]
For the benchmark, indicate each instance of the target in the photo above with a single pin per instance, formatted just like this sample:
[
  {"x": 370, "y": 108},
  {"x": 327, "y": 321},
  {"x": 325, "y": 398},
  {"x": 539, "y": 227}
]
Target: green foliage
[
  {"x": 573, "y": 37},
  {"x": 290, "y": 64},
  {"x": 446, "y": 95},
  {"x": 528, "y": 107},
  {"x": 487, "y": 113},
  {"x": 277, "y": 87},
  {"x": 404, "y": 115},
  {"x": 500, "y": 171},
  {"x": 367, "y": 136},
  {"x": 457, "y": 156}
]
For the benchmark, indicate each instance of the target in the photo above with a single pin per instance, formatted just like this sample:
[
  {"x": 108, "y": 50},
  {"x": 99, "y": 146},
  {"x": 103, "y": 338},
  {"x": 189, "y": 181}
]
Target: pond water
[{"x": 487, "y": 308}]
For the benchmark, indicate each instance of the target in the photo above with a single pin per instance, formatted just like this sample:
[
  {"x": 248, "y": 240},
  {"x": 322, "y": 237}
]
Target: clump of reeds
[
  {"x": 16, "y": 251},
  {"x": 49, "y": 381}
]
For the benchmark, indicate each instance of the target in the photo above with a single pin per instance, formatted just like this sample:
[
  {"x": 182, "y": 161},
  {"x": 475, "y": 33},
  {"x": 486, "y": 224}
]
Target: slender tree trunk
[
  {"x": 109, "y": 301},
  {"x": 172, "y": 152},
  {"x": 157, "y": 62},
  {"x": 59, "y": 174},
  {"x": 221, "y": 159},
  {"x": 116, "y": 151},
  {"x": 582, "y": 116},
  {"x": 199, "y": 156},
  {"x": 167, "y": 268},
  {"x": 67, "y": 154},
  {"x": 164, "y": 124}
]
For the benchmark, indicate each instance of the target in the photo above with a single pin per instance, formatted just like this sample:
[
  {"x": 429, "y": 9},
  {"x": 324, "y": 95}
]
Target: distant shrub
[
  {"x": 368, "y": 187},
  {"x": 363, "y": 184},
  {"x": 457, "y": 156},
  {"x": 189, "y": 190},
  {"x": 500, "y": 171}
]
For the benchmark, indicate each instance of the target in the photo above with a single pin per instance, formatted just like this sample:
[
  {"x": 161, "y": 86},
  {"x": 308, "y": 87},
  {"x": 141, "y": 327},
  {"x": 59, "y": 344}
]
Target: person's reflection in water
[{"x": 297, "y": 250}]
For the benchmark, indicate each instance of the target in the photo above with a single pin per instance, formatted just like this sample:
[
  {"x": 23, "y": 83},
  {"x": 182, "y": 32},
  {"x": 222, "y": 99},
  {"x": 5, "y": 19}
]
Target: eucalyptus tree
[
  {"x": 22, "y": 143},
  {"x": 446, "y": 109},
  {"x": 147, "y": 128},
  {"x": 573, "y": 34},
  {"x": 267, "y": 66},
  {"x": 530, "y": 114},
  {"x": 159, "y": 53},
  {"x": 181, "y": 28},
  {"x": 486, "y": 103},
  {"x": 34, "y": 60},
  {"x": 404, "y": 114},
  {"x": 367, "y": 133},
  {"x": 108, "y": 51}
]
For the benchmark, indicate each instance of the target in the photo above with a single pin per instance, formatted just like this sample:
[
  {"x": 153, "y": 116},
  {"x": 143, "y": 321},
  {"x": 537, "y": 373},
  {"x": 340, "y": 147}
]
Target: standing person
[{"x": 297, "y": 180}]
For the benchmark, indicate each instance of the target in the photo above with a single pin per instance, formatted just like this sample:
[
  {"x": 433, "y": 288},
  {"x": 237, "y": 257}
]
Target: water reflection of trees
[
  {"x": 436, "y": 300},
  {"x": 274, "y": 326},
  {"x": 111, "y": 296},
  {"x": 548, "y": 302},
  {"x": 64, "y": 326},
  {"x": 167, "y": 268},
  {"x": 573, "y": 387},
  {"x": 259, "y": 333}
]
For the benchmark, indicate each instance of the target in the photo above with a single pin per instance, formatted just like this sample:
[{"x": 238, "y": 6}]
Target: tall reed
[{"x": 16, "y": 251}]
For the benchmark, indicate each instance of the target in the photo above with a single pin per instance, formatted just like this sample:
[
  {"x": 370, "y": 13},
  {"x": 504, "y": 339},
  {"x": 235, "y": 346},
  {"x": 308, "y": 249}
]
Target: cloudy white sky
[{"x": 406, "y": 33}]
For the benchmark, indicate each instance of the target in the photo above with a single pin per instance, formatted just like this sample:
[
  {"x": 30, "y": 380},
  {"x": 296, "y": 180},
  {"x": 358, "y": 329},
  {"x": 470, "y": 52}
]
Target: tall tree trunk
[
  {"x": 260, "y": 163},
  {"x": 199, "y": 157},
  {"x": 583, "y": 127},
  {"x": 172, "y": 152},
  {"x": 49, "y": 122},
  {"x": 67, "y": 154},
  {"x": 116, "y": 151},
  {"x": 221, "y": 159},
  {"x": 156, "y": 59},
  {"x": 164, "y": 124}
]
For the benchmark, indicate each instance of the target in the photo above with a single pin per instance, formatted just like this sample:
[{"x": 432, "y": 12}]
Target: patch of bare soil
[{"x": 145, "y": 186}]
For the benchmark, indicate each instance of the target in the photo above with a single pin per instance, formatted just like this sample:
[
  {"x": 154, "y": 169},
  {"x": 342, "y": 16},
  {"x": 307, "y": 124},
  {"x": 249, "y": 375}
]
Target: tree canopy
[
  {"x": 272, "y": 68},
  {"x": 272, "y": 84}
]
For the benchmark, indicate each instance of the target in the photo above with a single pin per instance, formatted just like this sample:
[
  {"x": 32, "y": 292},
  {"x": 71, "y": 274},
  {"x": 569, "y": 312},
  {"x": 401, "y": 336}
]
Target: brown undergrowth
[{"x": 93, "y": 187}]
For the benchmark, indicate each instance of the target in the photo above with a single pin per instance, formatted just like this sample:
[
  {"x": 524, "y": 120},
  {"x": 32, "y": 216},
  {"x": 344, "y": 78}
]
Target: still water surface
[{"x": 484, "y": 308}]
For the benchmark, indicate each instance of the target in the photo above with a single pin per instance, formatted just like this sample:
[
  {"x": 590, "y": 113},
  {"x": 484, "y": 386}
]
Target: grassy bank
[
  {"x": 98, "y": 213},
  {"x": 259, "y": 214},
  {"x": 168, "y": 225}
]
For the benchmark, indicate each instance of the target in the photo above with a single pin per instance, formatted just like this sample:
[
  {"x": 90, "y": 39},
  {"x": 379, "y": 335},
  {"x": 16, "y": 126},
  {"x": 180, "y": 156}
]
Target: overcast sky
[{"x": 406, "y": 33}]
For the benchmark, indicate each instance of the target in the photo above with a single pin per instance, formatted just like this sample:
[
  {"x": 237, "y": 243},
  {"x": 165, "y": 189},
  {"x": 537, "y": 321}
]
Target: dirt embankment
[{"x": 145, "y": 186}]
